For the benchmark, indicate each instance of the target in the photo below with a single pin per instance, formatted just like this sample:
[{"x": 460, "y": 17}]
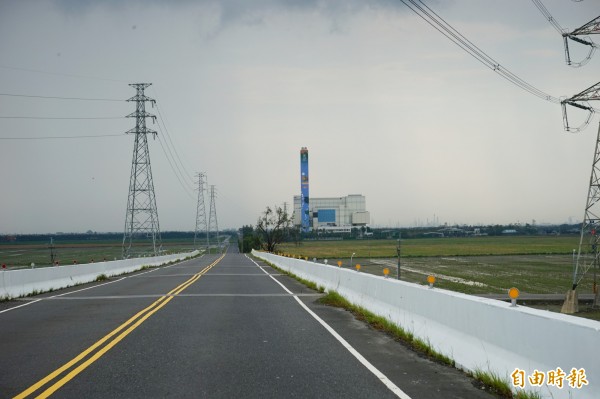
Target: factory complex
[{"x": 334, "y": 214}]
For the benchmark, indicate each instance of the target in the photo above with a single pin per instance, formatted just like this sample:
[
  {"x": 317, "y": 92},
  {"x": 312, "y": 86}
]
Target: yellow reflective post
[
  {"x": 386, "y": 272},
  {"x": 513, "y": 294},
  {"x": 431, "y": 280}
]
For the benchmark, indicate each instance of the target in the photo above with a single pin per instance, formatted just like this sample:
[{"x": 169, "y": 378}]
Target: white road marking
[
  {"x": 59, "y": 295},
  {"x": 89, "y": 288},
  {"x": 386, "y": 381},
  {"x": 93, "y": 298}
]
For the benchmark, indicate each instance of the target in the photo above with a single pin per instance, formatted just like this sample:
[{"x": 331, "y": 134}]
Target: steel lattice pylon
[
  {"x": 142, "y": 231},
  {"x": 587, "y": 257},
  {"x": 213, "y": 225},
  {"x": 201, "y": 225}
]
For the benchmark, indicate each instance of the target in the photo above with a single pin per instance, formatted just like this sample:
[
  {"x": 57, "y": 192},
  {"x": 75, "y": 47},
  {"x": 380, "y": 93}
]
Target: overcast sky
[{"x": 387, "y": 106}]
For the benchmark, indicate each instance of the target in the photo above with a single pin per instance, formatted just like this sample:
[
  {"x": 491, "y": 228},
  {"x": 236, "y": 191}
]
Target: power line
[
  {"x": 62, "y": 137},
  {"x": 548, "y": 16},
  {"x": 162, "y": 120},
  {"x": 170, "y": 140},
  {"x": 185, "y": 188},
  {"x": 59, "y": 98},
  {"x": 172, "y": 163},
  {"x": 438, "y": 23},
  {"x": 172, "y": 155},
  {"x": 60, "y": 118}
]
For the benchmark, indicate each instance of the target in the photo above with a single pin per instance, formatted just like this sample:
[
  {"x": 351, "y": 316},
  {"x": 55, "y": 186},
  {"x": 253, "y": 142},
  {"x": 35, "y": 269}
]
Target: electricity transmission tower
[
  {"x": 141, "y": 220},
  {"x": 588, "y": 255},
  {"x": 201, "y": 225},
  {"x": 592, "y": 27},
  {"x": 580, "y": 100},
  {"x": 213, "y": 225},
  {"x": 576, "y": 35}
]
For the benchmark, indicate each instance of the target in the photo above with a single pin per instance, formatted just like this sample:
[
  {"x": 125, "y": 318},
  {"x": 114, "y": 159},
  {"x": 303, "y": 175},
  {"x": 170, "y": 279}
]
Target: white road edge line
[
  {"x": 88, "y": 288},
  {"x": 58, "y": 295},
  {"x": 386, "y": 381}
]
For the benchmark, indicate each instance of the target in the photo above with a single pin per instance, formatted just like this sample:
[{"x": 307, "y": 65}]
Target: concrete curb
[
  {"x": 478, "y": 333},
  {"x": 23, "y": 282}
]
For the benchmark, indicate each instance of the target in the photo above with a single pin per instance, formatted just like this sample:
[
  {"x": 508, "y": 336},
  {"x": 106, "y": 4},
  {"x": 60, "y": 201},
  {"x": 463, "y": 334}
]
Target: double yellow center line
[{"x": 93, "y": 353}]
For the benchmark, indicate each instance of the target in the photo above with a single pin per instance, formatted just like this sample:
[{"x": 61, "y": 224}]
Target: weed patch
[
  {"x": 501, "y": 386},
  {"x": 333, "y": 298},
  {"x": 307, "y": 283}
]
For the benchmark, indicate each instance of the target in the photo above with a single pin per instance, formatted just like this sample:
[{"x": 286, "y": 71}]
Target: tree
[
  {"x": 249, "y": 240},
  {"x": 271, "y": 228}
]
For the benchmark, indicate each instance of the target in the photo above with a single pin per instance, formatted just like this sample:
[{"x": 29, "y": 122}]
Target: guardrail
[
  {"x": 23, "y": 282},
  {"x": 478, "y": 333}
]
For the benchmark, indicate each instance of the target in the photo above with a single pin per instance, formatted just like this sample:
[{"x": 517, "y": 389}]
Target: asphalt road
[{"x": 206, "y": 328}]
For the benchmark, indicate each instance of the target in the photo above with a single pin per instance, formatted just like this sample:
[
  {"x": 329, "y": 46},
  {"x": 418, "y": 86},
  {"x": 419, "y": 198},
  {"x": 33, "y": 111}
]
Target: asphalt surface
[{"x": 193, "y": 330}]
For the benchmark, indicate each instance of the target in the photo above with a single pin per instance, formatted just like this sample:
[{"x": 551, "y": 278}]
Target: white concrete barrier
[
  {"x": 478, "y": 333},
  {"x": 23, "y": 282}
]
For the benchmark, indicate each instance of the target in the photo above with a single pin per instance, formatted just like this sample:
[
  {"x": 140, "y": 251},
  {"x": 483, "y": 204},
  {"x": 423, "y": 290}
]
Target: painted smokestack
[{"x": 305, "y": 216}]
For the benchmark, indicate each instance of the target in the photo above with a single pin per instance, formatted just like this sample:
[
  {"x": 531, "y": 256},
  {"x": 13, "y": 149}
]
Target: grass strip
[
  {"x": 307, "y": 283},
  {"x": 501, "y": 386},
  {"x": 332, "y": 298}
]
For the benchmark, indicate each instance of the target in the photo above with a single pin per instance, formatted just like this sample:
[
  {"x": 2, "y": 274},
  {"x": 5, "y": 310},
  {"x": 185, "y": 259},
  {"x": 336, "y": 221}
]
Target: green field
[
  {"x": 476, "y": 265},
  {"x": 18, "y": 255},
  {"x": 485, "y": 245}
]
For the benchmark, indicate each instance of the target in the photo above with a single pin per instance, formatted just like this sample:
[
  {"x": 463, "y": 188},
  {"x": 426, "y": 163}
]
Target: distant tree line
[
  {"x": 255, "y": 237},
  {"x": 94, "y": 236},
  {"x": 274, "y": 226}
]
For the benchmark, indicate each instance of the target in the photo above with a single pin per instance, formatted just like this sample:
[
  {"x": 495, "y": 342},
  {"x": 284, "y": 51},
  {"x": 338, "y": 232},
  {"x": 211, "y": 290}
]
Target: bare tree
[{"x": 272, "y": 227}]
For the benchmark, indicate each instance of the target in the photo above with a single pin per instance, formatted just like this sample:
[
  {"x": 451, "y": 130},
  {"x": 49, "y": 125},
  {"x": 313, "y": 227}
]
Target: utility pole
[
  {"x": 52, "y": 253},
  {"x": 398, "y": 249},
  {"x": 141, "y": 219},
  {"x": 213, "y": 225},
  {"x": 201, "y": 225},
  {"x": 286, "y": 230}
]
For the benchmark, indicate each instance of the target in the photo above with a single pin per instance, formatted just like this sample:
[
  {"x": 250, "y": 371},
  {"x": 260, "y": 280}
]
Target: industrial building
[{"x": 336, "y": 214}]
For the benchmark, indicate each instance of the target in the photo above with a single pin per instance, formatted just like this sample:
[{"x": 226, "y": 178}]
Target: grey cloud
[{"x": 238, "y": 10}]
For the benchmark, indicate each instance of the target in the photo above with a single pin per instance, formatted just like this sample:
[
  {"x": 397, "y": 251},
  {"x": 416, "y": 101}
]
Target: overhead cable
[
  {"x": 548, "y": 16},
  {"x": 438, "y": 23},
  {"x": 168, "y": 135},
  {"x": 53, "y": 117},
  {"x": 62, "y": 137},
  {"x": 185, "y": 188},
  {"x": 162, "y": 120},
  {"x": 59, "y": 98}
]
